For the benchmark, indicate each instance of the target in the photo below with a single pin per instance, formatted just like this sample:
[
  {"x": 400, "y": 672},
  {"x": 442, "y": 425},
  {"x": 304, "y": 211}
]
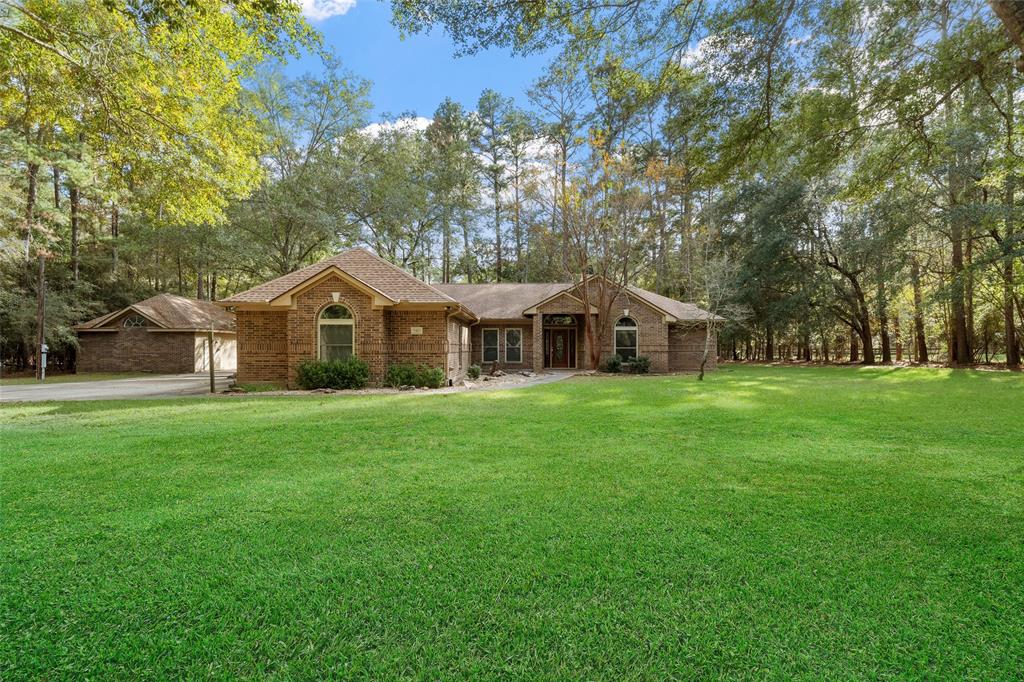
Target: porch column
[{"x": 538, "y": 343}]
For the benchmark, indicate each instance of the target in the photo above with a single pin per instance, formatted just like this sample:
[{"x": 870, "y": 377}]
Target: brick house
[
  {"x": 165, "y": 334},
  {"x": 356, "y": 303}
]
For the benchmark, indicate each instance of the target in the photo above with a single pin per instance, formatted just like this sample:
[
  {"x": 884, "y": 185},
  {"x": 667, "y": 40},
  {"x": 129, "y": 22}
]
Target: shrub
[
  {"x": 341, "y": 374},
  {"x": 400, "y": 375},
  {"x": 430, "y": 377},
  {"x": 614, "y": 364},
  {"x": 473, "y": 371},
  {"x": 638, "y": 365},
  {"x": 422, "y": 376}
]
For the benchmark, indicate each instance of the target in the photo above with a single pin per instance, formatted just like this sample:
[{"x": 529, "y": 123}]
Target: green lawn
[
  {"x": 71, "y": 378},
  {"x": 770, "y": 522}
]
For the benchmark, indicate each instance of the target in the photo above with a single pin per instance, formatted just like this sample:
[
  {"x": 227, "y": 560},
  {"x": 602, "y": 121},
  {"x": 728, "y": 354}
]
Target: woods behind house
[{"x": 839, "y": 179}]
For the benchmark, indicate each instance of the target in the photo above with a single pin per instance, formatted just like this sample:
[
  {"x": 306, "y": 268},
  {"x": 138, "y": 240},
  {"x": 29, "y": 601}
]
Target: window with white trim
[
  {"x": 513, "y": 345},
  {"x": 336, "y": 330},
  {"x": 133, "y": 321},
  {"x": 490, "y": 345},
  {"x": 626, "y": 338}
]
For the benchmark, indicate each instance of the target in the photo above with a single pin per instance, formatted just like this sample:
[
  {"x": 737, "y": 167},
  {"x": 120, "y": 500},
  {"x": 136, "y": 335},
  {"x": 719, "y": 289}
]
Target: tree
[
  {"x": 451, "y": 133},
  {"x": 491, "y": 146}
]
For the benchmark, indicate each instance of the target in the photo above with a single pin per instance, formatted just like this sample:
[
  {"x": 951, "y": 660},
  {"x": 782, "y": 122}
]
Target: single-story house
[
  {"x": 165, "y": 334},
  {"x": 356, "y": 303}
]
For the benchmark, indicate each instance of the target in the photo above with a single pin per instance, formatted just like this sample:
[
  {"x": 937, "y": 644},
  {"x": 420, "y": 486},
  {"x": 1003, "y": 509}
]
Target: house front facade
[{"x": 357, "y": 304}]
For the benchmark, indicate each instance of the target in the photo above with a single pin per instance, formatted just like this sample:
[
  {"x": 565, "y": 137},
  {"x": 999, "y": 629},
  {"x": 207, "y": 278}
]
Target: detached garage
[{"x": 166, "y": 334}]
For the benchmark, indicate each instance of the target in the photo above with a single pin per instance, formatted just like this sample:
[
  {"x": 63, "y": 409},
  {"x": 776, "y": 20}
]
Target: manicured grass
[
  {"x": 70, "y": 378},
  {"x": 770, "y": 522},
  {"x": 259, "y": 387}
]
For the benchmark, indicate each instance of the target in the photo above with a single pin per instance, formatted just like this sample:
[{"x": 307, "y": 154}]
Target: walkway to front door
[{"x": 560, "y": 348}]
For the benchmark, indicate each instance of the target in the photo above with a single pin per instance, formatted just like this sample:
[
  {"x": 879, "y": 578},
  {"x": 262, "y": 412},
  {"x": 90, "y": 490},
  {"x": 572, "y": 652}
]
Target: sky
[{"x": 415, "y": 74}]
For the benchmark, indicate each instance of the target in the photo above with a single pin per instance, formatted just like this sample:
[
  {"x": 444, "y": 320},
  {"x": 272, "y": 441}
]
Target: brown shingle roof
[
  {"x": 368, "y": 268},
  {"x": 172, "y": 312},
  {"x": 685, "y": 312},
  {"x": 504, "y": 301},
  {"x": 507, "y": 301}
]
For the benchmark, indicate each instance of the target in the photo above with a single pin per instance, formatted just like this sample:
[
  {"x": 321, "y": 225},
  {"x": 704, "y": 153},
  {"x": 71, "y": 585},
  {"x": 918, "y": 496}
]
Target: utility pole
[{"x": 41, "y": 320}]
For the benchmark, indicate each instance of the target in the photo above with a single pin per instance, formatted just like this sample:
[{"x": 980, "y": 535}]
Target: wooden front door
[{"x": 561, "y": 348}]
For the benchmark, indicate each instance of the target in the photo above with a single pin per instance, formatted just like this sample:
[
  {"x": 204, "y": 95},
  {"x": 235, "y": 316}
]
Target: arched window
[
  {"x": 336, "y": 330},
  {"x": 134, "y": 321},
  {"x": 625, "y": 338}
]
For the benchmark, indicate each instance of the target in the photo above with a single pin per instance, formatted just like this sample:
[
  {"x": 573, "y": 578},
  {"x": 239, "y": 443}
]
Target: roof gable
[
  {"x": 390, "y": 283},
  {"x": 168, "y": 311}
]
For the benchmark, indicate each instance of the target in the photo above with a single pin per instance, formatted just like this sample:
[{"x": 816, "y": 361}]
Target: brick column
[{"x": 538, "y": 342}]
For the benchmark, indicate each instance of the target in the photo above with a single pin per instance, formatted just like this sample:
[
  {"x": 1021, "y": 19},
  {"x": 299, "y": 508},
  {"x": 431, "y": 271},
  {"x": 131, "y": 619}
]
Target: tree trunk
[
  {"x": 899, "y": 337},
  {"x": 56, "y": 187},
  {"x": 30, "y": 207},
  {"x": 769, "y": 343},
  {"x": 920, "y": 343},
  {"x": 960, "y": 352},
  {"x": 114, "y": 227},
  {"x": 853, "y": 346},
  {"x": 1009, "y": 328},
  {"x": 446, "y": 255},
  {"x": 883, "y": 325},
  {"x": 75, "y": 211},
  {"x": 40, "y": 316}
]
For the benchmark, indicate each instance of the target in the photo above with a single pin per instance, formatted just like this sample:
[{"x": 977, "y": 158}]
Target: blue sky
[{"x": 417, "y": 73}]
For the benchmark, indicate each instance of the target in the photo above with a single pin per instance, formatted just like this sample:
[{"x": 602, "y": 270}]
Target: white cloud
[
  {"x": 318, "y": 10},
  {"x": 407, "y": 123}
]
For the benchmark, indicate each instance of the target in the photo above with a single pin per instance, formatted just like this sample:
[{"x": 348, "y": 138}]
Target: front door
[{"x": 560, "y": 348}]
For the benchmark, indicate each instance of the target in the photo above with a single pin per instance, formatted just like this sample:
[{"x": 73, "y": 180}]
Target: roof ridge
[{"x": 401, "y": 270}]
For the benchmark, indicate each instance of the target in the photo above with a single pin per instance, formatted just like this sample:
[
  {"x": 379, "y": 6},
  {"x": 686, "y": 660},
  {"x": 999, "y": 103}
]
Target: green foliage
[
  {"x": 473, "y": 371},
  {"x": 641, "y": 364},
  {"x": 408, "y": 374},
  {"x": 613, "y": 364},
  {"x": 352, "y": 373}
]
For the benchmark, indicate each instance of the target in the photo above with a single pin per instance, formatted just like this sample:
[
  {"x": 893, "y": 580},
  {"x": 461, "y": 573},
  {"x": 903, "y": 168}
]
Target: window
[
  {"x": 625, "y": 338},
  {"x": 337, "y": 331},
  {"x": 513, "y": 345},
  {"x": 134, "y": 321},
  {"x": 490, "y": 345}
]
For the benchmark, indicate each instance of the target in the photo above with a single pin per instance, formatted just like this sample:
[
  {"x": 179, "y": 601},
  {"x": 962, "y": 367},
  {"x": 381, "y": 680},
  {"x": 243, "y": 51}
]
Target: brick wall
[
  {"x": 430, "y": 347},
  {"x": 686, "y": 346},
  {"x": 136, "y": 350},
  {"x": 478, "y": 346},
  {"x": 262, "y": 345},
  {"x": 303, "y": 319}
]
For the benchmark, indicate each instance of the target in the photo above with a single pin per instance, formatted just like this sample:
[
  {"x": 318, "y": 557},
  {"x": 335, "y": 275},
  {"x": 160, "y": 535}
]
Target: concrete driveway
[{"x": 159, "y": 386}]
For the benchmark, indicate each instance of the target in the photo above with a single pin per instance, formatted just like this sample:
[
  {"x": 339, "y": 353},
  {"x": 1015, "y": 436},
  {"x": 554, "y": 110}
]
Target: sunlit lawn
[{"x": 770, "y": 522}]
